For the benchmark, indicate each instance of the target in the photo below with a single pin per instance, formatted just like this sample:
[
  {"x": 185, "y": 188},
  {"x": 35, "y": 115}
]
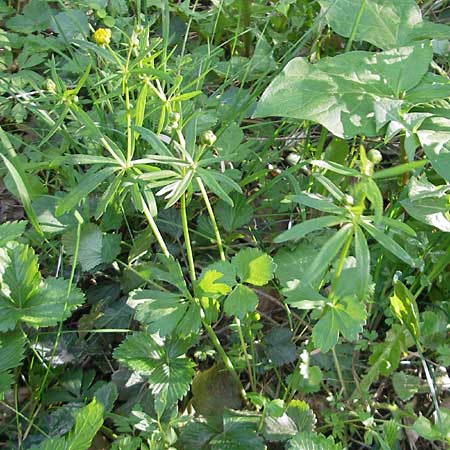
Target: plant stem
[
  {"x": 355, "y": 26},
  {"x": 212, "y": 218},
  {"x": 246, "y": 14},
  {"x": 226, "y": 360},
  {"x": 339, "y": 371},
  {"x": 154, "y": 227},
  {"x": 187, "y": 238}
]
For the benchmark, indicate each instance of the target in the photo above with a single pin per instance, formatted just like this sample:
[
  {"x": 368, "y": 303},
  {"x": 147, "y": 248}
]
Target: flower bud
[
  {"x": 50, "y": 86},
  {"x": 208, "y": 138},
  {"x": 375, "y": 156}
]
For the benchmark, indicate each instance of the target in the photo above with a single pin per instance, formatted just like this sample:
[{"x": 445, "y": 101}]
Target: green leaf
[
  {"x": 21, "y": 273},
  {"x": 302, "y": 229},
  {"x": 302, "y": 415},
  {"x": 327, "y": 254},
  {"x": 165, "y": 312},
  {"x": 362, "y": 254},
  {"x": 404, "y": 307},
  {"x": 316, "y": 201},
  {"x": 209, "y": 285},
  {"x": 23, "y": 190},
  {"x": 51, "y": 304},
  {"x": 241, "y": 301},
  {"x": 213, "y": 391},
  {"x": 162, "y": 362},
  {"x": 432, "y": 431},
  {"x": 436, "y": 145},
  {"x": 10, "y": 231},
  {"x": 239, "y": 433},
  {"x": 405, "y": 386},
  {"x": 347, "y": 317},
  {"x": 389, "y": 244},
  {"x": 312, "y": 441},
  {"x": 340, "y": 92},
  {"x": 95, "y": 248},
  {"x": 233, "y": 217},
  {"x": 36, "y": 17},
  {"x": 383, "y": 23},
  {"x": 88, "y": 421},
  {"x": 12, "y": 348},
  {"x": 89, "y": 182},
  {"x": 278, "y": 346},
  {"x": 254, "y": 266}
]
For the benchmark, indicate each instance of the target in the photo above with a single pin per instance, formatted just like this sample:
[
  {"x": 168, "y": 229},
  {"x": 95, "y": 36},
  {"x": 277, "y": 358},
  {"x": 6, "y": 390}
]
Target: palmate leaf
[
  {"x": 163, "y": 363},
  {"x": 239, "y": 433},
  {"x": 384, "y": 23},
  {"x": 165, "y": 313},
  {"x": 340, "y": 93},
  {"x": 312, "y": 441},
  {"x": 25, "y": 297},
  {"x": 88, "y": 421},
  {"x": 10, "y": 231},
  {"x": 241, "y": 301},
  {"x": 346, "y": 316},
  {"x": 253, "y": 266}
]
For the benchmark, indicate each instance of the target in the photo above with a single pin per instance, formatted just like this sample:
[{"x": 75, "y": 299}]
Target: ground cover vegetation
[{"x": 224, "y": 224}]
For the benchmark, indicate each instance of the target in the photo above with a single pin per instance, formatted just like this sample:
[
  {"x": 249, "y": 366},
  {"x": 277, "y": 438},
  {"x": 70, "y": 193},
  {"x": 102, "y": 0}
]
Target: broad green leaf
[
  {"x": 389, "y": 244},
  {"x": 432, "y": 431},
  {"x": 10, "y": 231},
  {"x": 21, "y": 275},
  {"x": 436, "y": 145},
  {"x": 164, "y": 312},
  {"x": 431, "y": 87},
  {"x": 95, "y": 248},
  {"x": 327, "y": 254},
  {"x": 432, "y": 211},
  {"x": 279, "y": 429},
  {"x": 302, "y": 415},
  {"x": 50, "y": 304},
  {"x": 12, "y": 348},
  {"x": 89, "y": 182},
  {"x": 404, "y": 307},
  {"x": 162, "y": 362},
  {"x": 346, "y": 317},
  {"x": 36, "y": 16},
  {"x": 384, "y": 23},
  {"x": 214, "y": 390},
  {"x": 302, "y": 229},
  {"x": 405, "y": 385},
  {"x": 233, "y": 217},
  {"x": 340, "y": 92},
  {"x": 253, "y": 266},
  {"x": 312, "y": 441},
  {"x": 209, "y": 283},
  {"x": 362, "y": 254},
  {"x": 239, "y": 433},
  {"x": 23, "y": 190},
  {"x": 240, "y": 301},
  {"x": 316, "y": 201},
  {"x": 278, "y": 346},
  {"x": 88, "y": 421}
]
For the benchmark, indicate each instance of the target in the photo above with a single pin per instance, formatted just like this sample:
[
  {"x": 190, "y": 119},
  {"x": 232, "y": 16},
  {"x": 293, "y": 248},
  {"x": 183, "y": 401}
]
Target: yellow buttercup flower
[{"x": 102, "y": 36}]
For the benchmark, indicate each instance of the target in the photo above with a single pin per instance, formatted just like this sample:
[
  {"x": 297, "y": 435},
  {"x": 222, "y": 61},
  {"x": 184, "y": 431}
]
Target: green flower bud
[
  {"x": 50, "y": 86},
  {"x": 208, "y": 138},
  {"x": 375, "y": 156}
]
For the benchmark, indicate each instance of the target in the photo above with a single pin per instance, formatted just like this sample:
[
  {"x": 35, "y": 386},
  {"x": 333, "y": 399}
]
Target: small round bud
[
  {"x": 375, "y": 156},
  {"x": 50, "y": 86},
  {"x": 349, "y": 200},
  {"x": 174, "y": 116},
  {"x": 102, "y": 36},
  {"x": 208, "y": 138}
]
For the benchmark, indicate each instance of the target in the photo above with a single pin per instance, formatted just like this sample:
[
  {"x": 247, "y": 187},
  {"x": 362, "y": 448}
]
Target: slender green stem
[
  {"x": 187, "y": 238},
  {"x": 154, "y": 227},
  {"x": 212, "y": 218},
  {"x": 355, "y": 26},
  {"x": 341, "y": 262},
  {"x": 225, "y": 358},
  {"x": 339, "y": 371},
  {"x": 223, "y": 258}
]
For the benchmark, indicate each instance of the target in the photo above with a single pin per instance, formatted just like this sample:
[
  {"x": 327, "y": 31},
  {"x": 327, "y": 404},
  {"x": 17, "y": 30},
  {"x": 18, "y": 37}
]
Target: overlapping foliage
[{"x": 279, "y": 282}]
